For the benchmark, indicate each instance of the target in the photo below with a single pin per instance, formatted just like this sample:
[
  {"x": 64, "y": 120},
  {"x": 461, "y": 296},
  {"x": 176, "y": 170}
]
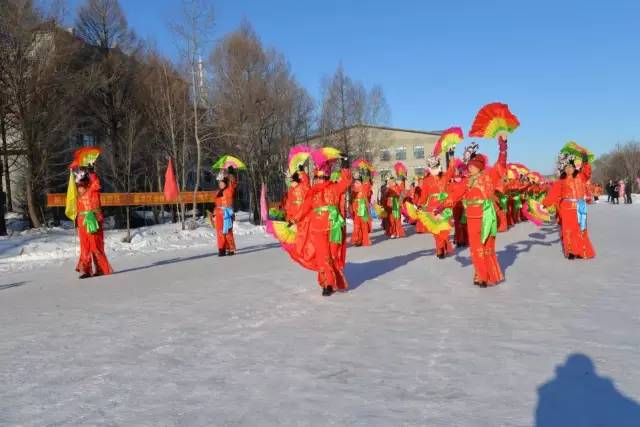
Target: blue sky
[{"x": 568, "y": 69}]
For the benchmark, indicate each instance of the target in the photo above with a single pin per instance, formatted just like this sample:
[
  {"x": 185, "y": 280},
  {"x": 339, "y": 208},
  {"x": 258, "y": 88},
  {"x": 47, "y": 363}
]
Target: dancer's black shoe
[
  {"x": 222, "y": 252},
  {"x": 84, "y": 276},
  {"x": 571, "y": 256},
  {"x": 327, "y": 291},
  {"x": 231, "y": 253}
]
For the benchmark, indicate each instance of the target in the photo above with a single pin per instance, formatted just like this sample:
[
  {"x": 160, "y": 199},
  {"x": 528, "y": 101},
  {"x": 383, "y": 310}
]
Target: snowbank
[{"x": 34, "y": 248}]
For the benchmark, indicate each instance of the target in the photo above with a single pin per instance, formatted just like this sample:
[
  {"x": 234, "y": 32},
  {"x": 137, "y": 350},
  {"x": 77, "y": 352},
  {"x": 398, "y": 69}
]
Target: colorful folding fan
[
  {"x": 364, "y": 165},
  {"x": 448, "y": 140},
  {"x": 535, "y": 212},
  {"x": 226, "y": 161},
  {"x": 411, "y": 210},
  {"x": 284, "y": 233},
  {"x": 400, "y": 168},
  {"x": 85, "y": 156},
  {"x": 325, "y": 154},
  {"x": 573, "y": 148},
  {"x": 494, "y": 120},
  {"x": 298, "y": 155},
  {"x": 435, "y": 224},
  {"x": 380, "y": 211}
]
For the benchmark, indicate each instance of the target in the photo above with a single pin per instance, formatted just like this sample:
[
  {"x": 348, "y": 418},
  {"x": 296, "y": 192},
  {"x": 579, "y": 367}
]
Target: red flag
[{"x": 170, "y": 185}]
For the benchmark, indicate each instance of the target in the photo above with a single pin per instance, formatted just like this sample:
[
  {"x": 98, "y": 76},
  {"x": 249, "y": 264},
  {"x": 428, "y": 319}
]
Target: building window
[
  {"x": 385, "y": 155},
  {"x": 401, "y": 153},
  {"x": 418, "y": 151},
  {"x": 418, "y": 172},
  {"x": 368, "y": 155},
  {"x": 88, "y": 140}
]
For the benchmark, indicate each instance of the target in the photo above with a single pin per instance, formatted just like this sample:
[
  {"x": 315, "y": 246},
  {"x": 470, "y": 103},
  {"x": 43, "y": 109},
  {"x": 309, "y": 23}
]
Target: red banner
[{"x": 136, "y": 199}]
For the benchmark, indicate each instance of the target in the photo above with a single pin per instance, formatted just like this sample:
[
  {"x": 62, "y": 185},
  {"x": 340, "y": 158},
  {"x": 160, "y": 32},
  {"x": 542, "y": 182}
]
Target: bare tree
[
  {"x": 37, "y": 72},
  {"x": 102, "y": 23},
  {"x": 623, "y": 162},
  {"x": 193, "y": 33},
  {"x": 345, "y": 107},
  {"x": 260, "y": 110},
  {"x": 167, "y": 95}
]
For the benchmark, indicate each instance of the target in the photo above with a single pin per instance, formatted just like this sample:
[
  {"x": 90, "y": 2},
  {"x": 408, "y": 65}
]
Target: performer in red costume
[
  {"x": 569, "y": 194},
  {"x": 319, "y": 247},
  {"x": 360, "y": 197},
  {"x": 392, "y": 198},
  {"x": 417, "y": 197},
  {"x": 458, "y": 182},
  {"x": 90, "y": 225},
  {"x": 433, "y": 193},
  {"x": 478, "y": 197},
  {"x": 223, "y": 215},
  {"x": 298, "y": 188}
]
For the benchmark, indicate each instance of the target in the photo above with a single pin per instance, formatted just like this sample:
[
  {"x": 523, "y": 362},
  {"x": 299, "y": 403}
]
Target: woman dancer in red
[
  {"x": 90, "y": 225},
  {"x": 318, "y": 248},
  {"x": 223, "y": 216},
  {"x": 569, "y": 194}
]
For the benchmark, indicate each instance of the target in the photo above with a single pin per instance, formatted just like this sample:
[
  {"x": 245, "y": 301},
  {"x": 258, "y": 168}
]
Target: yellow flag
[{"x": 71, "y": 210}]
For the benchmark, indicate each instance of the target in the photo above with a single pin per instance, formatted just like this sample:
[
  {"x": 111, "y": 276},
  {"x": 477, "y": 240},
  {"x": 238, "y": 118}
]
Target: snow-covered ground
[
  {"x": 178, "y": 337},
  {"x": 29, "y": 249}
]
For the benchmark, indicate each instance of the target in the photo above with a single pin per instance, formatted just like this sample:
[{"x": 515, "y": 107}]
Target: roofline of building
[{"x": 423, "y": 132}]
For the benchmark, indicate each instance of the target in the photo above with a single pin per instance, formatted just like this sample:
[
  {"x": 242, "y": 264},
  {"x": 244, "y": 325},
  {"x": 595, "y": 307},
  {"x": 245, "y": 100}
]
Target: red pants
[
  {"x": 92, "y": 253},
  {"x": 502, "y": 221},
  {"x": 395, "y": 226},
  {"x": 460, "y": 230},
  {"x": 574, "y": 241},
  {"x": 360, "y": 235},
  {"x": 327, "y": 261},
  {"x": 483, "y": 255},
  {"x": 443, "y": 245},
  {"x": 225, "y": 241}
]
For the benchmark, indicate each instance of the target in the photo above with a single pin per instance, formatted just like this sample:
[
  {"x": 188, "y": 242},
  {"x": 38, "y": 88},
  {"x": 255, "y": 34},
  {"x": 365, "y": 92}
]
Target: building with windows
[{"x": 384, "y": 146}]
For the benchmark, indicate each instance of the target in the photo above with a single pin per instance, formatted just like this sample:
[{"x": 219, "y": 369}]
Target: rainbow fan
[
  {"x": 535, "y": 212},
  {"x": 85, "y": 156},
  {"x": 435, "y": 224},
  {"x": 573, "y": 148},
  {"x": 411, "y": 211},
  {"x": 448, "y": 140},
  {"x": 401, "y": 169},
  {"x": 325, "y": 154},
  {"x": 284, "y": 233},
  {"x": 298, "y": 155},
  {"x": 380, "y": 211},
  {"x": 226, "y": 161},
  {"x": 494, "y": 120}
]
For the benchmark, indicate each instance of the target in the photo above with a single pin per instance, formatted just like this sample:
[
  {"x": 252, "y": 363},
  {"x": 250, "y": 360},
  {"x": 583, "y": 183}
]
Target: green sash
[
  {"x": 504, "y": 200},
  {"x": 395, "y": 207},
  {"x": 90, "y": 221},
  {"x": 517, "y": 201},
  {"x": 336, "y": 222},
  {"x": 489, "y": 217},
  {"x": 363, "y": 210}
]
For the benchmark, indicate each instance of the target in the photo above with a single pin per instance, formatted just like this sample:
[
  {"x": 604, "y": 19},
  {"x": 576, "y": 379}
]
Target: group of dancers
[{"x": 467, "y": 197}]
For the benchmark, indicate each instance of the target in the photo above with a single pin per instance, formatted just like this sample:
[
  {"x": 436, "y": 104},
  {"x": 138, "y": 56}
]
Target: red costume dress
[
  {"x": 417, "y": 197},
  {"x": 569, "y": 195},
  {"x": 318, "y": 242},
  {"x": 360, "y": 196},
  {"x": 392, "y": 197},
  {"x": 223, "y": 218},
  {"x": 90, "y": 229},
  {"x": 295, "y": 196},
  {"x": 434, "y": 192},
  {"x": 478, "y": 197}
]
